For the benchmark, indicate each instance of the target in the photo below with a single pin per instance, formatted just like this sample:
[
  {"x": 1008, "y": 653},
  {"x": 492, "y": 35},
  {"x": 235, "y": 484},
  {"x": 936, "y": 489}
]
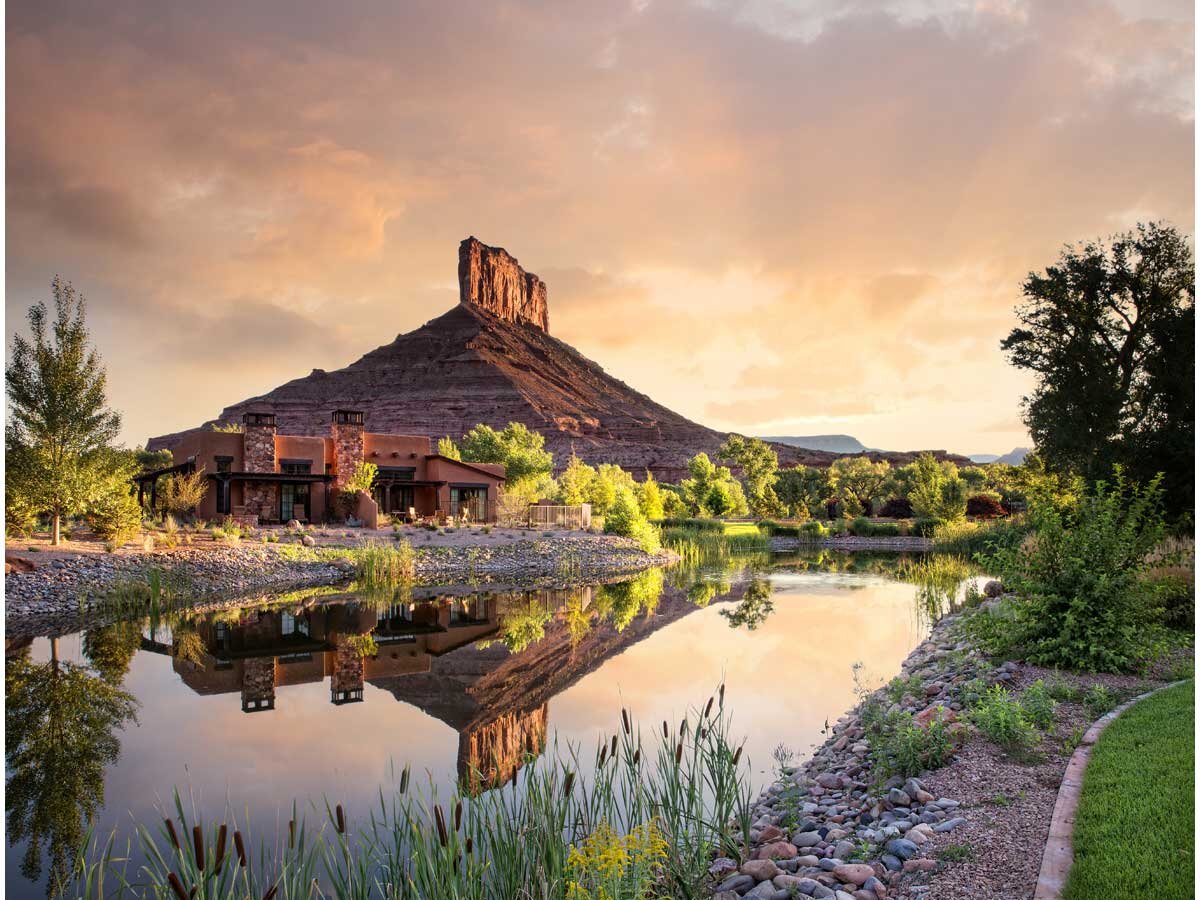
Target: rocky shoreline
[
  {"x": 65, "y": 592},
  {"x": 827, "y": 830}
]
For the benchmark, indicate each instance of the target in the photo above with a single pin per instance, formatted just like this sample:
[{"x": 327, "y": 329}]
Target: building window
[
  {"x": 224, "y": 463},
  {"x": 295, "y": 466},
  {"x": 470, "y": 501}
]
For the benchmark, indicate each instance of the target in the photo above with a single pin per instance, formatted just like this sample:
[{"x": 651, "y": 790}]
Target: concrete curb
[{"x": 1059, "y": 854}]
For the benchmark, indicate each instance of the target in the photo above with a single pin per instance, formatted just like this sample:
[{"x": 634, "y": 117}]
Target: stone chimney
[
  {"x": 491, "y": 279},
  {"x": 347, "y": 432},
  {"x": 258, "y": 448}
]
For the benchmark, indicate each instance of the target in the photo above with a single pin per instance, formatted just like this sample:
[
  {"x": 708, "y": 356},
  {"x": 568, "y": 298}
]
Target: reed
[{"x": 683, "y": 793}]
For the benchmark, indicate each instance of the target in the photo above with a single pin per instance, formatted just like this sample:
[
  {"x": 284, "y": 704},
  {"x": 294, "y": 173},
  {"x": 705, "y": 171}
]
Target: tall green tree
[
  {"x": 804, "y": 490},
  {"x": 935, "y": 490},
  {"x": 59, "y": 422},
  {"x": 857, "y": 478},
  {"x": 60, "y": 736},
  {"x": 758, "y": 463},
  {"x": 1108, "y": 332},
  {"x": 522, "y": 452}
]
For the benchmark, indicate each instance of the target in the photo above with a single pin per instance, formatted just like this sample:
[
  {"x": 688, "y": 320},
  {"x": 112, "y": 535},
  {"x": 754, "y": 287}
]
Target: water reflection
[
  {"x": 267, "y": 703},
  {"x": 60, "y": 724}
]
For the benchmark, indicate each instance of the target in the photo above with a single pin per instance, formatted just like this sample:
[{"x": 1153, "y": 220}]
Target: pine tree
[{"x": 59, "y": 423}]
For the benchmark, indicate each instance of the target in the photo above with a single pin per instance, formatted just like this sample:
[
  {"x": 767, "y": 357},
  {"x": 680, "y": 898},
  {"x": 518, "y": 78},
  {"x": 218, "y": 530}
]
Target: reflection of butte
[{"x": 498, "y": 700}]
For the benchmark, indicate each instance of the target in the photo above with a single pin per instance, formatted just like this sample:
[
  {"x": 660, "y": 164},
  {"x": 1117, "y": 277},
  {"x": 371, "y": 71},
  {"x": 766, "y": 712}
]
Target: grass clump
[
  {"x": 382, "y": 565},
  {"x": 1134, "y": 829}
]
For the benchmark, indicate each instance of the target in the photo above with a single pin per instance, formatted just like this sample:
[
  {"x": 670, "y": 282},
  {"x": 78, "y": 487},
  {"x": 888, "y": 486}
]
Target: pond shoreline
[
  {"x": 910, "y": 543},
  {"x": 69, "y": 590},
  {"x": 827, "y": 828}
]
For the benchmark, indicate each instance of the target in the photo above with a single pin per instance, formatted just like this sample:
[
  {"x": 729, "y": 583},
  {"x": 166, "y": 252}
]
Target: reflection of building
[{"x": 262, "y": 651}]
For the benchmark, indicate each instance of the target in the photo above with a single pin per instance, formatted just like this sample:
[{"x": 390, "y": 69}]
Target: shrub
[
  {"x": 1002, "y": 720},
  {"x": 897, "y": 508},
  {"x": 925, "y": 527},
  {"x": 863, "y": 527},
  {"x": 116, "y": 517},
  {"x": 1038, "y": 706},
  {"x": 694, "y": 524},
  {"x": 1099, "y": 700},
  {"x": 1082, "y": 603},
  {"x": 814, "y": 530},
  {"x": 985, "y": 506},
  {"x": 183, "y": 493},
  {"x": 899, "y": 745}
]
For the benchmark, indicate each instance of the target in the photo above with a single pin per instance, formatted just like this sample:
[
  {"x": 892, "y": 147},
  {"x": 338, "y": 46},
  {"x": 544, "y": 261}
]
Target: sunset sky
[{"x": 778, "y": 218}]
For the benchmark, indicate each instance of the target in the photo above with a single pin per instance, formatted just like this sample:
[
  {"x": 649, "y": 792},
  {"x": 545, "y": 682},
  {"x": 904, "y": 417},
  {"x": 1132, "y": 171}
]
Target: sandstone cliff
[{"x": 491, "y": 279}]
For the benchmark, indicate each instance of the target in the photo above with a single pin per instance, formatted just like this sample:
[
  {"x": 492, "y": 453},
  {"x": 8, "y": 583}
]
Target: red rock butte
[{"x": 491, "y": 359}]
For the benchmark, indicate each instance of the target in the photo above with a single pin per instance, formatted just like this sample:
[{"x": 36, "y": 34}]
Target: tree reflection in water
[{"x": 61, "y": 722}]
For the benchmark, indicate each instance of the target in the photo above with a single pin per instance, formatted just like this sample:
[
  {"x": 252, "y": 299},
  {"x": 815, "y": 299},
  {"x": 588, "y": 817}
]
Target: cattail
[
  {"x": 198, "y": 846},
  {"x": 678, "y": 752},
  {"x": 666, "y": 731},
  {"x": 721, "y": 693},
  {"x": 737, "y": 755},
  {"x": 603, "y": 754},
  {"x": 637, "y": 756},
  {"x": 515, "y": 769},
  {"x": 683, "y": 728},
  {"x": 613, "y": 752},
  {"x": 708, "y": 707},
  {"x": 171, "y": 831},
  {"x": 458, "y": 815},
  {"x": 177, "y": 886},
  {"x": 625, "y": 719},
  {"x": 440, "y": 821},
  {"x": 404, "y": 780},
  {"x": 240, "y": 848},
  {"x": 341, "y": 819},
  {"x": 700, "y": 734},
  {"x": 221, "y": 835},
  {"x": 292, "y": 833},
  {"x": 568, "y": 784},
  {"x": 271, "y": 893},
  {"x": 469, "y": 845}
]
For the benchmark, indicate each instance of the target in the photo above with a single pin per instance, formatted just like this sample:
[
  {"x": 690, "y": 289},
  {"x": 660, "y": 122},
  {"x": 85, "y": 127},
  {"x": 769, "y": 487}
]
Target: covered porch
[{"x": 407, "y": 498}]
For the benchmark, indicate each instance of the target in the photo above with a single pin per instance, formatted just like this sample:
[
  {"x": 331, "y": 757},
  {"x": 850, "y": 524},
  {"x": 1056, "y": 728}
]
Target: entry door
[{"x": 293, "y": 500}]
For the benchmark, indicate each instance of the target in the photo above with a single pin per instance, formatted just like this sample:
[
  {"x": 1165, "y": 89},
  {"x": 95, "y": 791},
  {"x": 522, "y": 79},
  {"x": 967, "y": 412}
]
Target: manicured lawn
[
  {"x": 732, "y": 528},
  {"x": 1133, "y": 833}
]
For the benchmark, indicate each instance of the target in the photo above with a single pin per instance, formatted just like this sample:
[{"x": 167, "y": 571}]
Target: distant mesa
[
  {"x": 491, "y": 359},
  {"x": 1013, "y": 457},
  {"x": 831, "y": 443}
]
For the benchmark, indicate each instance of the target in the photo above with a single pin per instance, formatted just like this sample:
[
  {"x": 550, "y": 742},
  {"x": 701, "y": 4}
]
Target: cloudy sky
[{"x": 776, "y": 217}]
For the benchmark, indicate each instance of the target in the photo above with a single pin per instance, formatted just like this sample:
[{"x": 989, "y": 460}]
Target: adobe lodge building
[{"x": 259, "y": 476}]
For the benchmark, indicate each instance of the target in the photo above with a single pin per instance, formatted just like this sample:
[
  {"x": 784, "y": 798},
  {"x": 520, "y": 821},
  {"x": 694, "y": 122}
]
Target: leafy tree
[
  {"x": 59, "y": 421},
  {"x": 1108, "y": 331},
  {"x": 936, "y": 491},
  {"x": 446, "y": 447},
  {"x": 758, "y": 463},
  {"x": 803, "y": 490},
  {"x": 152, "y": 460},
  {"x": 521, "y": 451},
  {"x": 60, "y": 736},
  {"x": 650, "y": 498},
  {"x": 858, "y": 478},
  {"x": 711, "y": 489},
  {"x": 575, "y": 484}
]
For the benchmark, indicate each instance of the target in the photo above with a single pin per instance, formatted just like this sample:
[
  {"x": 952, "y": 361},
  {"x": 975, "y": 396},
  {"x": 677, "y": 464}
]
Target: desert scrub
[{"x": 647, "y": 823}]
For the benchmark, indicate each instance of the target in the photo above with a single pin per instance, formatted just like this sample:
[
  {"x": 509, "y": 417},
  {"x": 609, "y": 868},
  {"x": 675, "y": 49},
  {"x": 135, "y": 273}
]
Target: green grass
[{"x": 1133, "y": 833}]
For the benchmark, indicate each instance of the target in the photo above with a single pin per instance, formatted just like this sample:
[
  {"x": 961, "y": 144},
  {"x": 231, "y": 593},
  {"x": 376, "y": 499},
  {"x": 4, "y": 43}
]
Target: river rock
[
  {"x": 760, "y": 869},
  {"x": 853, "y": 873}
]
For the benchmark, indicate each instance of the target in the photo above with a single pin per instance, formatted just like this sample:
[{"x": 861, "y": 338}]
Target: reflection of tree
[
  {"x": 522, "y": 627},
  {"x": 59, "y": 721},
  {"x": 110, "y": 649},
  {"x": 622, "y": 601},
  {"x": 754, "y": 608},
  {"x": 187, "y": 644}
]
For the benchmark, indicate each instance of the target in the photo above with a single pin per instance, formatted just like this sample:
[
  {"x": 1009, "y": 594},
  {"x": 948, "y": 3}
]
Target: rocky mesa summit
[{"x": 492, "y": 359}]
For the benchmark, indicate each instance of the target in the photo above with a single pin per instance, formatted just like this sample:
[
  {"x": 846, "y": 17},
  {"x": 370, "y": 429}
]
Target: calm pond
[{"x": 246, "y": 711}]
